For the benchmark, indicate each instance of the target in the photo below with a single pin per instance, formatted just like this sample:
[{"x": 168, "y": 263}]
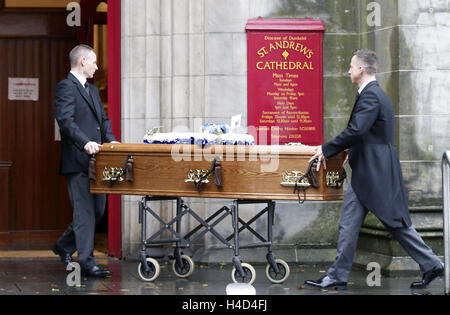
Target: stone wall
[{"x": 184, "y": 64}]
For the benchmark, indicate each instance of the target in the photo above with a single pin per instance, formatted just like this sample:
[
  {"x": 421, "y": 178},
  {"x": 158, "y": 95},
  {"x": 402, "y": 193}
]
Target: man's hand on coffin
[
  {"x": 322, "y": 159},
  {"x": 92, "y": 148}
]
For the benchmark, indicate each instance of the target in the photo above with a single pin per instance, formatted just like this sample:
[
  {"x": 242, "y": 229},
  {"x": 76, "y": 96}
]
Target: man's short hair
[
  {"x": 368, "y": 60},
  {"x": 79, "y": 52}
]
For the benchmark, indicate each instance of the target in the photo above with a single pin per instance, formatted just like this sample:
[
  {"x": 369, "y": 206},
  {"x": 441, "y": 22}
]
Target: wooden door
[{"x": 36, "y": 211}]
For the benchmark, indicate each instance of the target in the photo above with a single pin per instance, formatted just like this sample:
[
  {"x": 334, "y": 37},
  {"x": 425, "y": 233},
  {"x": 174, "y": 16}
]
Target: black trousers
[
  {"x": 88, "y": 209},
  {"x": 352, "y": 218}
]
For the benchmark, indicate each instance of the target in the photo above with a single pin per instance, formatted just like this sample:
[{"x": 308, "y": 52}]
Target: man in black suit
[
  {"x": 377, "y": 182},
  {"x": 84, "y": 127}
]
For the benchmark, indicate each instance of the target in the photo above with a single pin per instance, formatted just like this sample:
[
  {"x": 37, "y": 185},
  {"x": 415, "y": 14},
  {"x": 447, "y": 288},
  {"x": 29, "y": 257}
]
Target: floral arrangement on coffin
[
  {"x": 216, "y": 129},
  {"x": 212, "y": 134},
  {"x": 235, "y": 139},
  {"x": 180, "y": 138}
]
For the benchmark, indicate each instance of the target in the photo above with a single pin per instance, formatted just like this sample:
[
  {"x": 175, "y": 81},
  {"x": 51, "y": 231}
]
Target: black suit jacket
[
  {"x": 81, "y": 118},
  {"x": 376, "y": 173}
]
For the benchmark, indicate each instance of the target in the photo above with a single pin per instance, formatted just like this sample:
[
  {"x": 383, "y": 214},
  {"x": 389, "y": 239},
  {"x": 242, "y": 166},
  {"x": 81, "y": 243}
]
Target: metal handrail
[{"x": 445, "y": 196}]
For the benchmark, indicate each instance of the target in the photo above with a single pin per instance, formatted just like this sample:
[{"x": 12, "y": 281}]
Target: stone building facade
[{"x": 184, "y": 64}]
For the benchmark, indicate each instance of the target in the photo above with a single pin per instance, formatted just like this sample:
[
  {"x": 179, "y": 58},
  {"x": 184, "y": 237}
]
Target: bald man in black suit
[{"x": 84, "y": 127}]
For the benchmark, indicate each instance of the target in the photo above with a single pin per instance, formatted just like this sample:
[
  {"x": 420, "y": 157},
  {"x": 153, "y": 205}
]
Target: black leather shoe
[
  {"x": 65, "y": 257},
  {"x": 428, "y": 276},
  {"x": 327, "y": 283},
  {"x": 96, "y": 271}
]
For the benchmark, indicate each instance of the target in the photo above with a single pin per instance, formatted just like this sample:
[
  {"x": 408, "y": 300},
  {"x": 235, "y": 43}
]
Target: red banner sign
[{"x": 285, "y": 84}]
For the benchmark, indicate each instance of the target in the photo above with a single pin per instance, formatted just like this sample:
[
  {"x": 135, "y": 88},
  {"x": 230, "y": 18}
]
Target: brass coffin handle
[
  {"x": 117, "y": 174},
  {"x": 197, "y": 177},
  {"x": 294, "y": 179},
  {"x": 335, "y": 180},
  {"x": 113, "y": 174}
]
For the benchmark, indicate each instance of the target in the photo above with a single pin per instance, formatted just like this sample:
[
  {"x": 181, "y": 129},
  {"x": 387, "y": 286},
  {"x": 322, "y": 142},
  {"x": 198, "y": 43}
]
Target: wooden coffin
[{"x": 248, "y": 172}]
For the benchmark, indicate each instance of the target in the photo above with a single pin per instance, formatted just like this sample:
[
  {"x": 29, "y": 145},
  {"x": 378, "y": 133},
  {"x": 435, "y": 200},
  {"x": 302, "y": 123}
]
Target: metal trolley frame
[{"x": 277, "y": 270}]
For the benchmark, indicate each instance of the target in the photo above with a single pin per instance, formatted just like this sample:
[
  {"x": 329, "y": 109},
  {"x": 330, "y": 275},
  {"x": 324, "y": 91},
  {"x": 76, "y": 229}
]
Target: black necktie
[
  {"x": 356, "y": 101},
  {"x": 86, "y": 88}
]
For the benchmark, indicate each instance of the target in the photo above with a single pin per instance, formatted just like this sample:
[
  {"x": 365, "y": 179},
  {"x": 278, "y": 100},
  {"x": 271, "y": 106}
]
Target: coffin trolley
[{"x": 247, "y": 174}]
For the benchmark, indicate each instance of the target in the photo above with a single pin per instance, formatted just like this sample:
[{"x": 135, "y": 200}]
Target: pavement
[{"x": 47, "y": 276}]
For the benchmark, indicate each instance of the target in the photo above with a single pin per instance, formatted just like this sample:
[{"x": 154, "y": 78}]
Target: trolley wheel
[
  {"x": 188, "y": 268},
  {"x": 282, "y": 275},
  {"x": 154, "y": 271},
  {"x": 250, "y": 274}
]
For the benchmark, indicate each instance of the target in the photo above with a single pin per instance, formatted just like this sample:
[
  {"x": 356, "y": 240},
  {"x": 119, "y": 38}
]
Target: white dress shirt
[
  {"x": 80, "y": 78},
  {"x": 365, "y": 84}
]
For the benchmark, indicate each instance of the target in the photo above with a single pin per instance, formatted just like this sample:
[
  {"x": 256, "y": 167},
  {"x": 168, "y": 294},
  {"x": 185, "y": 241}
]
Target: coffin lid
[{"x": 178, "y": 148}]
